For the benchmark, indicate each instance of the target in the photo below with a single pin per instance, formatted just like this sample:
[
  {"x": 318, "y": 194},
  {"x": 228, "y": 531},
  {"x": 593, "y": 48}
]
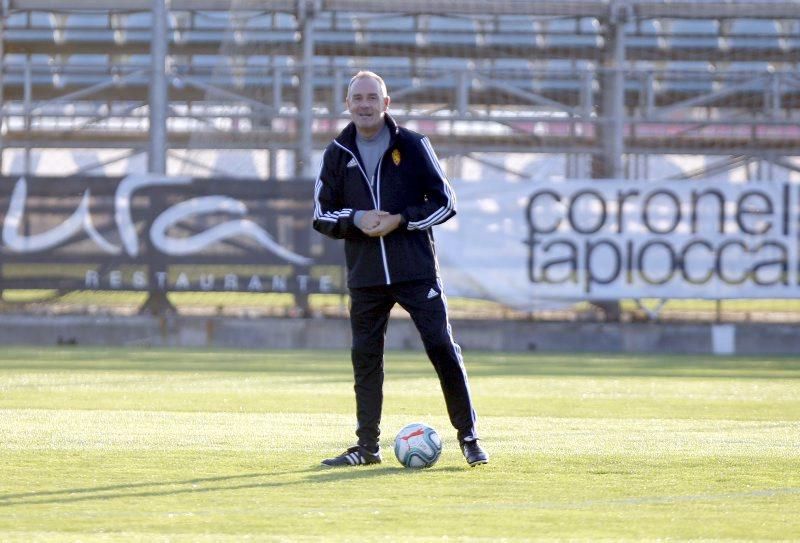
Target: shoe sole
[{"x": 478, "y": 463}]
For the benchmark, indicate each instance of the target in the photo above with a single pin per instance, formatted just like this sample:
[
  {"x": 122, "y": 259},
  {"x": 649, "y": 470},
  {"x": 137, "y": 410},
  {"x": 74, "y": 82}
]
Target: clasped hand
[{"x": 376, "y": 223}]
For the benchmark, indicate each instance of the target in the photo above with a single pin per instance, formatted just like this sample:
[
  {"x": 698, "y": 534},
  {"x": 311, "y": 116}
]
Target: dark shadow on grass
[
  {"x": 324, "y": 474},
  {"x": 315, "y": 474},
  {"x": 130, "y": 490}
]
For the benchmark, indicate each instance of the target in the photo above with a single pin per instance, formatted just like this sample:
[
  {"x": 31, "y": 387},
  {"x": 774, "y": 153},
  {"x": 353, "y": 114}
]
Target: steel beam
[
  {"x": 612, "y": 101},
  {"x": 708, "y": 9},
  {"x": 146, "y": 5},
  {"x": 455, "y": 143},
  {"x": 705, "y": 9},
  {"x": 305, "y": 105},
  {"x": 157, "y": 153},
  {"x": 2, "y": 83}
]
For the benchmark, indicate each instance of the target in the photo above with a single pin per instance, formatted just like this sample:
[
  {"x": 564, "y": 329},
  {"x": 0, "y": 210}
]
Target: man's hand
[
  {"x": 368, "y": 220},
  {"x": 386, "y": 224}
]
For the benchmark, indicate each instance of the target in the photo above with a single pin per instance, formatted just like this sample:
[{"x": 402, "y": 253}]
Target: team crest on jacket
[{"x": 396, "y": 157}]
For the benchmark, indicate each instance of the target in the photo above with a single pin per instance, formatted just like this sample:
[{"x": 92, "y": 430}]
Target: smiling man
[
  {"x": 367, "y": 102},
  {"x": 381, "y": 189}
]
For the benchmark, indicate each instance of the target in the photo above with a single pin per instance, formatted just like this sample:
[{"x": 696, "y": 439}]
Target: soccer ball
[{"x": 417, "y": 446}]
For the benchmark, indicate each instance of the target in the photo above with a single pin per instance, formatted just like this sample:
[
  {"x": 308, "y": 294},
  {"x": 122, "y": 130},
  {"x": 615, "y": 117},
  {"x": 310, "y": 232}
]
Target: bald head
[
  {"x": 366, "y": 74},
  {"x": 367, "y": 103}
]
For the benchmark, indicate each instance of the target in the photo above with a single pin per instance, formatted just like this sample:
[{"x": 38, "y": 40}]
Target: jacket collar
[{"x": 347, "y": 137}]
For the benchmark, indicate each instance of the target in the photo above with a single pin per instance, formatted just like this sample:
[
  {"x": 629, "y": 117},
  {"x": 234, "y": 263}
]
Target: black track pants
[{"x": 369, "y": 316}]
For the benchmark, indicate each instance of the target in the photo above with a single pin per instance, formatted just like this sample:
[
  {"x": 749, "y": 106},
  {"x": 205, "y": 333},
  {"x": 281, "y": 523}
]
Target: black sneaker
[
  {"x": 354, "y": 456},
  {"x": 474, "y": 453}
]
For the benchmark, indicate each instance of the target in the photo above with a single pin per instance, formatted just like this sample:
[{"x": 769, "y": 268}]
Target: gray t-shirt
[{"x": 371, "y": 150}]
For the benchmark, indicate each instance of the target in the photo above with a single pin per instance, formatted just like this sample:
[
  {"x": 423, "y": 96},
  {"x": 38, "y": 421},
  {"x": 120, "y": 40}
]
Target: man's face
[{"x": 367, "y": 105}]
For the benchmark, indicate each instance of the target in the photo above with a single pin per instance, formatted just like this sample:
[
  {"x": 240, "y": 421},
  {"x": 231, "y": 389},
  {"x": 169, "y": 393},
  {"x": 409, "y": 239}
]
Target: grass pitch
[{"x": 176, "y": 445}]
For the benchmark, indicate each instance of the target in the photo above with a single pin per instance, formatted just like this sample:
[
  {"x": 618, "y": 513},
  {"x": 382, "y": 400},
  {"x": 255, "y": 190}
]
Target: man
[{"x": 381, "y": 189}]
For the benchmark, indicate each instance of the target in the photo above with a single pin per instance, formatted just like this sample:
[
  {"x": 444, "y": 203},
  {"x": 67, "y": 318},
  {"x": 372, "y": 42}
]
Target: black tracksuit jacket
[{"x": 409, "y": 180}]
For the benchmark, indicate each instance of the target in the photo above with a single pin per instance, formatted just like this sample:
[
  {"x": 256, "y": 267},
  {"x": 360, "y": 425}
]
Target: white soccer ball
[{"x": 417, "y": 446}]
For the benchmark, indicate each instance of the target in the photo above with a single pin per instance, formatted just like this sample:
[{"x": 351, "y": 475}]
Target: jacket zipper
[
  {"x": 383, "y": 246},
  {"x": 376, "y": 202}
]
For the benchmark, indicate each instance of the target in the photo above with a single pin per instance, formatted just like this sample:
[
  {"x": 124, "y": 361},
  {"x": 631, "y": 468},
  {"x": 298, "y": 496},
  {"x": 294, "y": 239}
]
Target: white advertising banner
[{"x": 526, "y": 243}]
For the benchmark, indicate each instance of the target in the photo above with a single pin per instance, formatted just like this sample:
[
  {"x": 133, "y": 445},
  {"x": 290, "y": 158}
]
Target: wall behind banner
[{"x": 472, "y": 335}]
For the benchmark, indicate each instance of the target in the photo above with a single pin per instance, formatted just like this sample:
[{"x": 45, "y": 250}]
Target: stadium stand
[{"x": 507, "y": 77}]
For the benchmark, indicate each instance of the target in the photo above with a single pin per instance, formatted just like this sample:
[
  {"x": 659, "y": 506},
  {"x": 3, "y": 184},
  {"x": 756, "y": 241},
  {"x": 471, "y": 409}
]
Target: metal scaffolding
[{"x": 608, "y": 85}]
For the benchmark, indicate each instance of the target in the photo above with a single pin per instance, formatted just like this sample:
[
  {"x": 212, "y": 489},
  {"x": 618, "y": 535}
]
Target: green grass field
[{"x": 171, "y": 445}]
